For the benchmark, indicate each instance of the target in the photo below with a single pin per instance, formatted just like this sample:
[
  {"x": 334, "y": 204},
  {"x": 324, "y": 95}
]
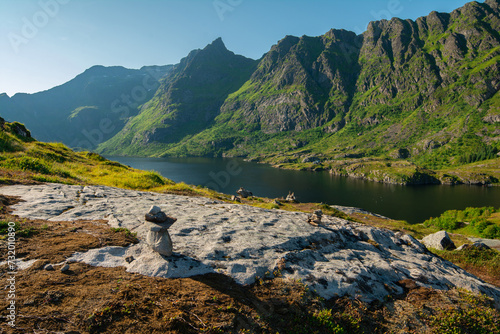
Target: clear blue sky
[{"x": 45, "y": 43}]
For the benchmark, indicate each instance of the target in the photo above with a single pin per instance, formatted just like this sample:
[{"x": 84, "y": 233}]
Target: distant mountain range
[
  {"x": 87, "y": 110},
  {"x": 424, "y": 90}
]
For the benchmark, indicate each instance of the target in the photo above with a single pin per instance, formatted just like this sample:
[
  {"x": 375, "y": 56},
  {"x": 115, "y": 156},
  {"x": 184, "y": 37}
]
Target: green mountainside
[
  {"x": 87, "y": 110},
  {"x": 185, "y": 104},
  {"x": 405, "y": 102},
  {"x": 424, "y": 91}
]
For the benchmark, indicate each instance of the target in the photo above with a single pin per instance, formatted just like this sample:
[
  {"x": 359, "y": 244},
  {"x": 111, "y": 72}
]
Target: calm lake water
[{"x": 411, "y": 203}]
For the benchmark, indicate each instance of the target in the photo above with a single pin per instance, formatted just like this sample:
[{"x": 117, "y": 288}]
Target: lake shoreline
[{"x": 226, "y": 175}]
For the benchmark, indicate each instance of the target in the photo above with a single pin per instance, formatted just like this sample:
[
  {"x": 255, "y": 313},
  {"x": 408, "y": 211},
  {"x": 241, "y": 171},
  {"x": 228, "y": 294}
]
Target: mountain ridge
[{"x": 423, "y": 91}]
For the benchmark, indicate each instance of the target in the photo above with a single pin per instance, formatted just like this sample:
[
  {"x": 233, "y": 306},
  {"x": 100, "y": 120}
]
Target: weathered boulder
[
  {"x": 244, "y": 193},
  {"x": 439, "y": 240},
  {"x": 401, "y": 153}
]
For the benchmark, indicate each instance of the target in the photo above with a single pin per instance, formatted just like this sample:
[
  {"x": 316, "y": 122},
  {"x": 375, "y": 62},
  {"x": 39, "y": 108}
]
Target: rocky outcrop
[{"x": 337, "y": 258}]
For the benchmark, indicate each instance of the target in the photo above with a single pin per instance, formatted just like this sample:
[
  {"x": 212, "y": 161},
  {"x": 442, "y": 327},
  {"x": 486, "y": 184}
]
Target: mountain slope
[
  {"x": 186, "y": 103},
  {"x": 425, "y": 90},
  {"x": 87, "y": 110}
]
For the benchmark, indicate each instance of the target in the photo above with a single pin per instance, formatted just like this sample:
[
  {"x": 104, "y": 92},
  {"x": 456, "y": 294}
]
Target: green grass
[
  {"x": 474, "y": 314},
  {"x": 485, "y": 260},
  {"x": 20, "y": 232},
  {"x": 125, "y": 231},
  {"x": 479, "y": 222}
]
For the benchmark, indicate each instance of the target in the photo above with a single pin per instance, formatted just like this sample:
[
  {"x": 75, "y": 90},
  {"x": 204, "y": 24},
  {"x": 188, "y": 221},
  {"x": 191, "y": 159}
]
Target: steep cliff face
[
  {"x": 301, "y": 83},
  {"x": 428, "y": 86},
  {"x": 187, "y": 101}
]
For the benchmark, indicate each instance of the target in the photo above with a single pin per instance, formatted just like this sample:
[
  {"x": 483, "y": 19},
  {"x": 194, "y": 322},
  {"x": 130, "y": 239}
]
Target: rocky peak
[
  {"x": 217, "y": 44},
  {"x": 494, "y": 4}
]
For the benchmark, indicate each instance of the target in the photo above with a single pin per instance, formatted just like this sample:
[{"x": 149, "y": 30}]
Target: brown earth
[{"x": 88, "y": 299}]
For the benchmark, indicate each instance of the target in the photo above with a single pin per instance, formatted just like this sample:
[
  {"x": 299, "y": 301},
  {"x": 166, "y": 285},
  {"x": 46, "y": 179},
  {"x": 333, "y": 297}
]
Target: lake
[{"x": 411, "y": 203}]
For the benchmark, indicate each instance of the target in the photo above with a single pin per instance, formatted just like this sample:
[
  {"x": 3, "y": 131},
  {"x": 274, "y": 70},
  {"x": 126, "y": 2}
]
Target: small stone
[
  {"x": 129, "y": 259},
  {"x": 30, "y": 301},
  {"x": 154, "y": 210},
  {"x": 65, "y": 268},
  {"x": 48, "y": 267},
  {"x": 235, "y": 199},
  {"x": 277, "y": 202},
  {"x": 159, "y": 217}
]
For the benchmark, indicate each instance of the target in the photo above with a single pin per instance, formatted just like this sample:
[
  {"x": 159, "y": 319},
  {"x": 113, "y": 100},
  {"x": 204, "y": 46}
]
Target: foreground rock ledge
[{"x": 337, "y": 258}]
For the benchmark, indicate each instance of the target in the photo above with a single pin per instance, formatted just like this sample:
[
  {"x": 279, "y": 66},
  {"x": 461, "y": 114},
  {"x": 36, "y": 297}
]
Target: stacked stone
[
  {"x": 315, "y": 219},
  {"x": 158, "y": 223}
]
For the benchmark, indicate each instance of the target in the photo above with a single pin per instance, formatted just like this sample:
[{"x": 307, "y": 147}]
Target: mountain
[
  {"x": 421, "y": 93},
  {"x": 426, "y": 90},
  {"x": 186, "y": 103},
  {"x": 87, "y": 110}
]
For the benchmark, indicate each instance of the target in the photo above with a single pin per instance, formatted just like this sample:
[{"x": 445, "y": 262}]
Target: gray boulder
[
  {"x": 311, "y": 159},
  {"x": 439, "y": 240},
  {"x": 65, "y": 268},
  {"x": 48, "y": 267}
]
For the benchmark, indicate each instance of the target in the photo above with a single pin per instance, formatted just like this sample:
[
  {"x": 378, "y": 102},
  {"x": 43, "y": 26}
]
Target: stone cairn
[
  {"x": 244, "y": 193},
  {"x": 158, "y": 223},
  {"x": 315, "y": 219},
  {"x": 291, "y": 197}
]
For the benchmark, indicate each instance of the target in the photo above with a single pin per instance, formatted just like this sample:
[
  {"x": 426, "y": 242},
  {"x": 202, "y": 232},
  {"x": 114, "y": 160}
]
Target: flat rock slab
[{"x": 336, "y": 259}]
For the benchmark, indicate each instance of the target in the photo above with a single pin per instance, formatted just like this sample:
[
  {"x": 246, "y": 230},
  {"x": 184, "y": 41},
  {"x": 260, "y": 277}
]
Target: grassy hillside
[{"x": 24, "y": 159}]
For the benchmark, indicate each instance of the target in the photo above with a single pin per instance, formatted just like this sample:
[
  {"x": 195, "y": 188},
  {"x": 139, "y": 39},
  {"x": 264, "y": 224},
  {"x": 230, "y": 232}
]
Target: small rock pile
[
  {"x": 291, "y": 197},
  {"x": 244, "y": 193},
  {"x": 315, "y": 219}
]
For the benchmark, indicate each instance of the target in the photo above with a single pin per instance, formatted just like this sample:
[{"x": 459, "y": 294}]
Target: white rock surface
[{"x": 337, "y": 258}]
